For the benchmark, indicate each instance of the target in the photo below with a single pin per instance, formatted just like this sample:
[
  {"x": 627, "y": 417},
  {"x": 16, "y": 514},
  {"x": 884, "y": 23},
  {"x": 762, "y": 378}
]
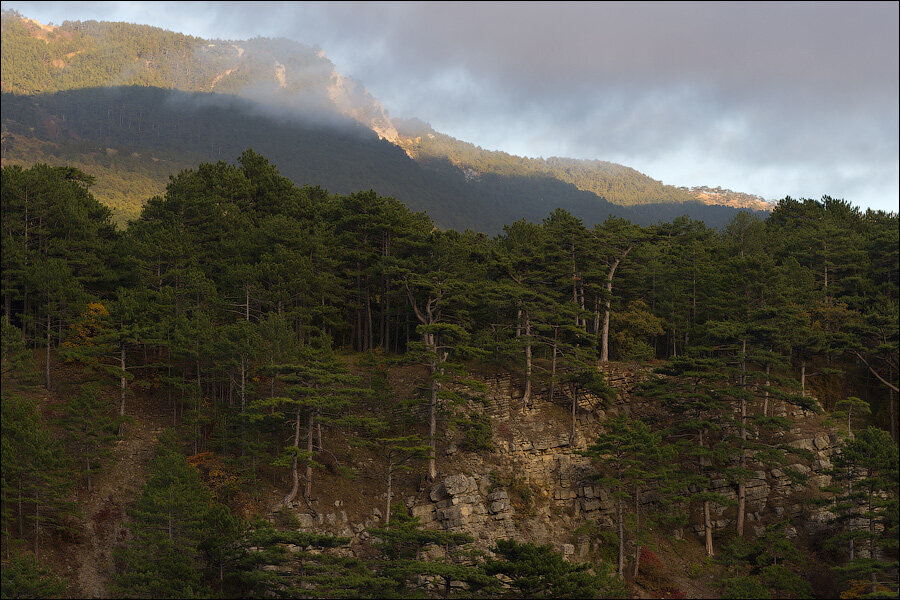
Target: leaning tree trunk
[{"x": 604, "y": 336}]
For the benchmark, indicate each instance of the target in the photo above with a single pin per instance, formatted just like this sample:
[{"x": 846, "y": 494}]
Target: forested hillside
[
  {"x": 246, "y": 349},
  {"x": 618, "y": 184},
  {"x": 111, "y": 97}
]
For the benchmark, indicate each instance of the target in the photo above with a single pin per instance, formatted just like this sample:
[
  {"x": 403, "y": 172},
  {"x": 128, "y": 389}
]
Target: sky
[{"x": 773, "y": 99}]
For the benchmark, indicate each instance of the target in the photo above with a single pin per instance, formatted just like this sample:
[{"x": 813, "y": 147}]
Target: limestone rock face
[{"x": 536, "y": 487}]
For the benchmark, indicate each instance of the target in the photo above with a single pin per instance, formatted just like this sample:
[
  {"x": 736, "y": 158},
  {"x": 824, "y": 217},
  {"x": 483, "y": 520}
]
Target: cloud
[{"x": 790, "y": 94}]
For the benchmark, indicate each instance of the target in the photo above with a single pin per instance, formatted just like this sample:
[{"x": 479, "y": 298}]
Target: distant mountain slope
[
  {"x": 132, "y": 104},
  {"x": 614, "y": 182},
  {"x": 87, "y": 54},
  {"x": 137, "y": 136}
]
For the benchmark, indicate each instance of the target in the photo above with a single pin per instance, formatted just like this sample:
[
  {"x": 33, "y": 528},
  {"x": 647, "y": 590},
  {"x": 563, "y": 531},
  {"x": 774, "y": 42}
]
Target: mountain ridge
[{"x": 288, "y": 80}]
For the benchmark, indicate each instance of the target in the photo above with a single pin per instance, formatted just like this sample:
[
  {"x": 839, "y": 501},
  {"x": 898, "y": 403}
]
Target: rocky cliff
[{"x": 535, "y": 486}]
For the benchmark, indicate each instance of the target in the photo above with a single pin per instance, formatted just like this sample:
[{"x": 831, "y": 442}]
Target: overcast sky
[{"x": 773, "y": 99}]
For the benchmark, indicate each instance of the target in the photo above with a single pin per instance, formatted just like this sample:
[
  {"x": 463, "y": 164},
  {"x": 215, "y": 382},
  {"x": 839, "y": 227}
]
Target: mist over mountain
[{"x": 103, "y": 95}]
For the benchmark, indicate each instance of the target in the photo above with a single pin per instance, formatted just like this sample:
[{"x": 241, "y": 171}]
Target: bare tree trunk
[
  {"x": 47, "y": 363},
  {"x": 637, "y": 529},
  {"x": 385, "y": 320},
  {"x": 359, "y": 317},
  {"x": 553, "y": 363},
  {"x": 707, "y": 529},
  {"x": 766, "y": 393},
  {"x": 430, "y": 316},
  {"x": 123, "y": 386},
  {"x": 575, "y": 286},
  {"x": 707, "y": 523},
  {"x": 803, "y": 377},
  {"x": 387, "y": 508},
  {"x": 7, "y": 302},
  {"x": 891, "y": 405},
  {"x": 37, "y": 525},
  {"x": 574, "y": 404},
  {"x": 20, "y": 511},
  {"x": 620, "y": 518},
  {"x": 581, "y": 303},
  {"x": 850, "y": 495},
  {"x": 526, "y": 398},
  {"x": 604, "y": 337},
  {"x": 871, "y": 534},
  {"x": 199, "y": 404},
  {"x": 307, "y": 491},
  {"x": 123, "y": 381},
  {"x": 295, "y": 479},
  {"x": 244, "y": 401},
  {"x": 370, "y": 333},
  {"x": 432, "y": 427}
]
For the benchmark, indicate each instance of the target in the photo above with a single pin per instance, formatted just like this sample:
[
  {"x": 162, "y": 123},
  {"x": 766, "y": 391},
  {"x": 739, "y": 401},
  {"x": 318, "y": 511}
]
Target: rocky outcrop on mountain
[
  {"x": 536, "y": 487},
  {"x": 725, "y": 197}
]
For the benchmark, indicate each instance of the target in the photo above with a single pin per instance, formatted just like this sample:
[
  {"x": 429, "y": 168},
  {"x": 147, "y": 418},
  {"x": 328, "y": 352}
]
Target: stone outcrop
[{"x": 535, "y": 486}]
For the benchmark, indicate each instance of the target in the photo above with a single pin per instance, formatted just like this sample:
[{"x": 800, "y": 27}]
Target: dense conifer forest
[{"x": 257, "y": 314}]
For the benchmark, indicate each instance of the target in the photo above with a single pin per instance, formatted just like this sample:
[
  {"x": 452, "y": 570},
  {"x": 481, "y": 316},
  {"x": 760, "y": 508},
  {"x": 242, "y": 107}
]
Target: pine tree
[
  {"x": 439, "y": 291},
  {"x": 36, "y": 476},
  {"x": 403, "y": 571},
  {"x": 616, "y": 238},
  {"x": 690, "y": 391},
  {"x": 24, "y": 577},
  {"x": 629, "y": 457},
  {"x": 866, "y": 477},
  {"x": 768, "y": 567},
  {"x": 15, "y": 359},
  {"x": 318, "y": 387},
  {"x": 541, "y": 572},
  {"x": 92, "y": 429},
  {"x": 302, "y": 566},
  {"x": 170, "y": 526}
]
